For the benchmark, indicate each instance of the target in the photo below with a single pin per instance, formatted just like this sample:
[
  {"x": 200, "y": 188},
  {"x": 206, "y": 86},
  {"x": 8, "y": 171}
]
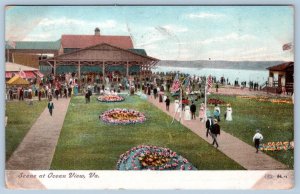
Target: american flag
[
  {"x": 209, "y": 82},
  {"x": 176, "y": 84},
  {"x": 287, "y": 46},
  {"x": 187, "y": 84}
]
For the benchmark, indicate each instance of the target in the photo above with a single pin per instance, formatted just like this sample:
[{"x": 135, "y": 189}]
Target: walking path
[
  {"x": 237, "y": 150},
  {"x": 36, "y": 150}
]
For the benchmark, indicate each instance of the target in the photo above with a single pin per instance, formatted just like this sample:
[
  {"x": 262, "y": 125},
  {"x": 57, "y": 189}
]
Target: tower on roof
[{"x": 97, "y": 31}]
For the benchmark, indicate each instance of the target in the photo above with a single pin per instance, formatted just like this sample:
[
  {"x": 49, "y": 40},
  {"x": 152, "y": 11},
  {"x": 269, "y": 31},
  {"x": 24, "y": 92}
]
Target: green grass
[
  {"x": 274, "y": 120},
  {"x": 21, "y": 117},
  {"x": 87, "y": 143}
]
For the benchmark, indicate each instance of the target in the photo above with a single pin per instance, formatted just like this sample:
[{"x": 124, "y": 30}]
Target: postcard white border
[{"x": 211, "y": 2}]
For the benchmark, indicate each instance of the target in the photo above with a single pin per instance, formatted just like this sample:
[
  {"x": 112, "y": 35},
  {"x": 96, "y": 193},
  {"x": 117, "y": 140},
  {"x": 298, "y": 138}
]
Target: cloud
[
  {"x": 41, "y": 37},
  {"x": 148, "y": 39},
  {"x": 204, "y": 15},
  {"x": 57, "y": 23},
  {"x": 174, "y": 28},
  {"x": 227, "y": 38}
]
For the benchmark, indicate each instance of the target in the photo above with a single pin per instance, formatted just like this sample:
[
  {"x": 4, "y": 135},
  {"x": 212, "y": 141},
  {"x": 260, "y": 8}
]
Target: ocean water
[{"x": 260, "y": 76}]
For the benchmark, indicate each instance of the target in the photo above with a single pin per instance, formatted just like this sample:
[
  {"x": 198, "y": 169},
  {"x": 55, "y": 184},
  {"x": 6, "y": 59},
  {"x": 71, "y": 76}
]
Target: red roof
[
  {"x": 83, "y": 41},
  {"x": 281, "y": 67}
]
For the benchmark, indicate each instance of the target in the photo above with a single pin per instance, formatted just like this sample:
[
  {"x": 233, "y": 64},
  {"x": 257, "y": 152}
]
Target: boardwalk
[
  {"x": 237, "y": 150},
  {"x": 36, "y": 150}
]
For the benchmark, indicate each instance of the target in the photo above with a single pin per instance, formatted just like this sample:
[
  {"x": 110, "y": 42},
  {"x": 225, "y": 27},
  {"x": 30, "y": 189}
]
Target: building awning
[
  {"x": 29, "y": 74},
  {"x": 26, "y": 74},
  {"x": 8, "y": 74},
  {"x": 38, "y": 73},
  {"x": 17, "y": 80}
]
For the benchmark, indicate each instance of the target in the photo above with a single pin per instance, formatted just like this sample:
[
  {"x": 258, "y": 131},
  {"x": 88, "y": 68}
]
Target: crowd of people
[{"x": 66, "y": 85}]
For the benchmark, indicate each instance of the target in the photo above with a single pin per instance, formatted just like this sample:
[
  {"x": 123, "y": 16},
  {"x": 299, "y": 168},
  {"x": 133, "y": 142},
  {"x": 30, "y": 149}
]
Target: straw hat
[
  {"x": 228, "y": 105},
  {"x": 215, "y": 120}
]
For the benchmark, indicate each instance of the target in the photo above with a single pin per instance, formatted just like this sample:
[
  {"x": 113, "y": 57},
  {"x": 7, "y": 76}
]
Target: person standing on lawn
[
  {"x": 217, "y": 108},
  {"x": 50, "y": 106},
  {"x": 193, "y": 110},
  {"x": 215, "y": 131},
  {"x": 40, "y": 94},
  {"x": 167, "y": 103},
  {"x": 257, "y": 138},
  {"x": 229, "y": 113}
]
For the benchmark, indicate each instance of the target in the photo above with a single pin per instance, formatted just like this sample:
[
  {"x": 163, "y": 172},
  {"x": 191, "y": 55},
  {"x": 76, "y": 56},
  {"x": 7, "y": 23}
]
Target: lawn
[
  {"x": 87, "y": 143},
  {"x": 274, "y": 120},
  {"x": 21, "y": 117}
]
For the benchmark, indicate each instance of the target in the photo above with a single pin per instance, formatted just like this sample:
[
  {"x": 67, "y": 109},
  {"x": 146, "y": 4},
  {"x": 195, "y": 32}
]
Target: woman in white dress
[
  {"x": 187, "y": 113},
  {"x": 202, "y": 112},
  {"x": 229, "y": 113}
]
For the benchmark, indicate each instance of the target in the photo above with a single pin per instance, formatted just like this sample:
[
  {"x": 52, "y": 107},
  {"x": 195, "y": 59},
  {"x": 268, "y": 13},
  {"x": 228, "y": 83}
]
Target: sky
[{"x": 236, "y": 33}]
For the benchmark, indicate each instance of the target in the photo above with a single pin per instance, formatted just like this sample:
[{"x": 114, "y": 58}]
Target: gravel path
[{"x": 36, "y": 150}]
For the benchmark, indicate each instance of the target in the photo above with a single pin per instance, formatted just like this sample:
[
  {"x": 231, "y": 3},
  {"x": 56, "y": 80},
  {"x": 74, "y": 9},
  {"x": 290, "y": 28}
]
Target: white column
[
  {"x": 103, "y": 71},
  {"x": 54, "y": 68},
  {"x": 127, "y": 69}
]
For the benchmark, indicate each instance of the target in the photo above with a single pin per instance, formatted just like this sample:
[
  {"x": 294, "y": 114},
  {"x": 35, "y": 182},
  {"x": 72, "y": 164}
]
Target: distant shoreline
[
  {"x": 242, "y": 65},
  {"x": 199, "y": 68}
]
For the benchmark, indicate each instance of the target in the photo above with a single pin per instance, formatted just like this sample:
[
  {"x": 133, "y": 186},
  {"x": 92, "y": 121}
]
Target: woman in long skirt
[
  {"x": 229, "y": 113},
  {"x": 202, "y": 112}
]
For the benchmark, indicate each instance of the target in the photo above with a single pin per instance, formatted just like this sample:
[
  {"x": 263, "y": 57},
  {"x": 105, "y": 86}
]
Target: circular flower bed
[
  {"x": 111, "y": 98},
  {"x": 122, "y": 116},
  {"x": 215, "y": 101},
  {"x": 145, "y": 157}
]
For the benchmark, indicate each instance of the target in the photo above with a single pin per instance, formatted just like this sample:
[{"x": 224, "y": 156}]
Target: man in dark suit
[
  {"x": 167, "y": 103},
  {"x": 193, "y": 110},
  {"x": 215, "y": 130},
  {"x": 209, "y": 123},
  {"x": 155, "y": 92}
]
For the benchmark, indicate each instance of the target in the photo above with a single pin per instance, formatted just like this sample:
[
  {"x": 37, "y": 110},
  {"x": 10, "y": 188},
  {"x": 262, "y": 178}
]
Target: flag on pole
[
  {"x": 209, "y": 82},
  {"x": 287, "y": 46},
  {"x": 176, "y": 84},
  {"x": 187, "y": 84}
]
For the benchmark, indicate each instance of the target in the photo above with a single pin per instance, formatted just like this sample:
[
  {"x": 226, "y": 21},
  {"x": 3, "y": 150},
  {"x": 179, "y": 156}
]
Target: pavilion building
[
  {"x": 97, "y": 53},
  {"x": 281, "y": 77}
]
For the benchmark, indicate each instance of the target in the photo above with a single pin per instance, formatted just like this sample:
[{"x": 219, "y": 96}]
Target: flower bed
[
  {"x": 120, "y": 116},
  {"x": 277, "y": 146},
  {"x": 111, "y": 98},
  {"x": 215, "y": 101},
  {"x": 145, "y": 157},
  {"x": 267, "y": 99}
]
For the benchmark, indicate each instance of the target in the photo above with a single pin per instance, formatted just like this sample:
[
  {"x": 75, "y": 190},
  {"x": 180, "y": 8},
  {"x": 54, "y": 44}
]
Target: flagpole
[
  {"x": 7, "y": 54},
  {"x": 205, "y": 104},
  {"x": 180, "y": 105}
]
